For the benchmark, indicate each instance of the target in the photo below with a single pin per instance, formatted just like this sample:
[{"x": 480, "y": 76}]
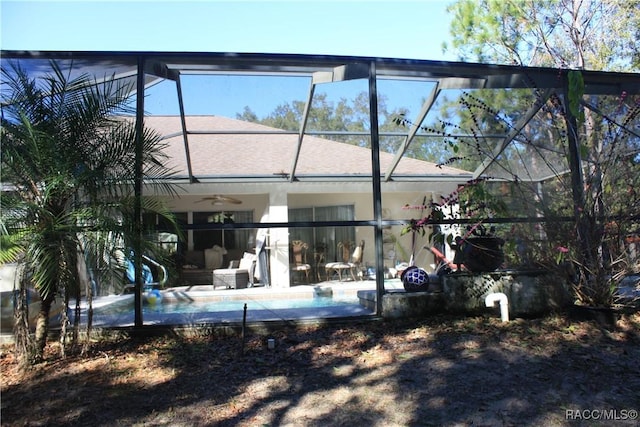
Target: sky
[{"x": 397, "y": 29}]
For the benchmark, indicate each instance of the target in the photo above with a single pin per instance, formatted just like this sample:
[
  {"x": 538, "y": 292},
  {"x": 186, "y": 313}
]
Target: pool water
[{"x": 204, "y": 306}]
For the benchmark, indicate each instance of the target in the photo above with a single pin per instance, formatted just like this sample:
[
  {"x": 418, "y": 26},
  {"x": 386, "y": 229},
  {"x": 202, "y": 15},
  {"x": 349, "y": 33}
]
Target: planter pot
[{"x": 481, "y": 254}]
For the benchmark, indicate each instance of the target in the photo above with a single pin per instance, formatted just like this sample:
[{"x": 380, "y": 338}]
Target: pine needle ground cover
[{"x": 439, "y": 371}]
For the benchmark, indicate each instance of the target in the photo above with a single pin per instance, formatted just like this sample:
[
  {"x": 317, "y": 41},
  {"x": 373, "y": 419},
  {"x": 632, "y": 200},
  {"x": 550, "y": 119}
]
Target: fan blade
[
  {"x": 231, "y": 200},
  {"x": 218, "y": 199}
]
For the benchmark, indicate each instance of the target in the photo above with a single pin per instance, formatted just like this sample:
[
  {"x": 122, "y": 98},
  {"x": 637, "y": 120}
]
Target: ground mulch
[{"x": 444, "y": 370}]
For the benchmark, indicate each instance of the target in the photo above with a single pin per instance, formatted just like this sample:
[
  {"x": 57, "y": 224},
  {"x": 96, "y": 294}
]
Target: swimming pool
[{"x": 206, "y": 306}]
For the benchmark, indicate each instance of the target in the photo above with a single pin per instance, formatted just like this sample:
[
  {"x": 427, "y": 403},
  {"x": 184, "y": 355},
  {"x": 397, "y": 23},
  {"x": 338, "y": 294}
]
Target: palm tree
[{"x": 68, "y": 146}]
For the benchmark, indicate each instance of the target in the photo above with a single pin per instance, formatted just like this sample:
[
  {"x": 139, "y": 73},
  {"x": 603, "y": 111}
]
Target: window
[{"x": 240, "y": 239}]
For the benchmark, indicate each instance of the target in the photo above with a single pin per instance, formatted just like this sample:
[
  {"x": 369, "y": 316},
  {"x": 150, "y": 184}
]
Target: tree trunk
[
  {"x": 42, "y": 327},
  {"x": 23, "y": 342}
]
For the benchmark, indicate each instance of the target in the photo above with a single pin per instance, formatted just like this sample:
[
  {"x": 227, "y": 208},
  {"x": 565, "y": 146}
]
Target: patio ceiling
[{"x": 207, "y": 84}]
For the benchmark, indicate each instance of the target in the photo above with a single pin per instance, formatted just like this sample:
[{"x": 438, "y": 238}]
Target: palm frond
[{"x": 68, "y": 148}]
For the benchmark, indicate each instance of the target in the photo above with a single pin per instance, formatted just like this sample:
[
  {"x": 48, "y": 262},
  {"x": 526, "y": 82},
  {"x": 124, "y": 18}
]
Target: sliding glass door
[{"x": 324, "y": 239}]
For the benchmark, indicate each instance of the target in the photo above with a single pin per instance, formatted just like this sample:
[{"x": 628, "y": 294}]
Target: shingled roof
[{"x": 221, "y": 146}]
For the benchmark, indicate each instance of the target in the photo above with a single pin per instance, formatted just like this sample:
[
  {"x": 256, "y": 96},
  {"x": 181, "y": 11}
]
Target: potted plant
[{"x": 479, "y": 249}]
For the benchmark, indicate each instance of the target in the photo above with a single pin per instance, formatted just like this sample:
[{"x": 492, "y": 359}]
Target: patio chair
[
  {"x": 299, "y": 258},
  {"x": 350, "y": 262},
  {"x": 239, "y": 275},
  {"x": 319, "y": 258}
]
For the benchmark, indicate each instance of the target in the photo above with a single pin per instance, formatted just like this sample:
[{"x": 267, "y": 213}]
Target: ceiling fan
[{"x": 219, "y": 199}]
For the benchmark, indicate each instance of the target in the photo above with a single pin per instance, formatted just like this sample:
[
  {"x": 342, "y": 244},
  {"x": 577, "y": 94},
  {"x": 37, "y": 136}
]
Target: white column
[
  {"x": 279, "y": 240},
  {"x": 190, "y": 232}
]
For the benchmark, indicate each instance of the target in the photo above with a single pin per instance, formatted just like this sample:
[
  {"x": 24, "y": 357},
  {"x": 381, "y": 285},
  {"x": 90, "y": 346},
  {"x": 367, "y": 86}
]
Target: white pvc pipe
[{"x": 491, "y": 299}]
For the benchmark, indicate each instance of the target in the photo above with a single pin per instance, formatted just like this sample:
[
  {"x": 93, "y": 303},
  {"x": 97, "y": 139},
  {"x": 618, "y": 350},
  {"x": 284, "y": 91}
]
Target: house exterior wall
[{"x": 270, "y": 203}]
